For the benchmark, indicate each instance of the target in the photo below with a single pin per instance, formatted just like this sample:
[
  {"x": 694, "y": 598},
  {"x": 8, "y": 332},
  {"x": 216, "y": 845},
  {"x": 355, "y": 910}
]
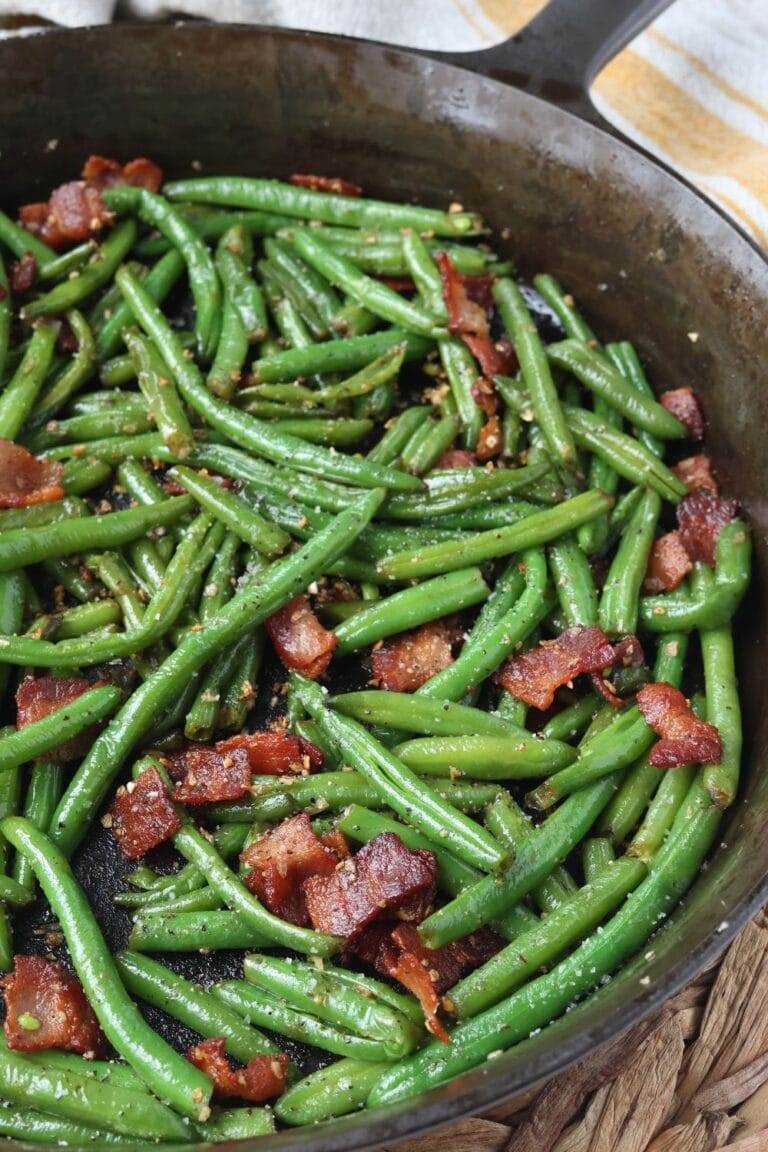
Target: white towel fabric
[{"x": 693, "y": 88}]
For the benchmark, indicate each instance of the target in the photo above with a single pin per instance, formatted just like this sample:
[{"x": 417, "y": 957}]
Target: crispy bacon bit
[
  {"x": 685, "y": 739},
  {"x": 696, "y": 473},
  {"x": 478, "y": 289},
  {"x": 274, "y": 753},
  {"x": 45, "y": 1007},
  {"x": 535, "y": 676},
  {"x": 299, "y": 638},
  {"x": 383, "y": 879},
  {"x": 337, "y": 842},
  {"x": 489, "y": 442},
  {"x": 468, "y": 319},
  {"x": 143, "y": 815},
  {"x": 23, "y": 273},
  {"x": 405, "y": 662},
  {"x": 100, "y": 172},
  {"x": 333, "y": 184},
  {"x": 668, "y": 564},
  {"x": 456, "y": 458},
  {"x": 26, "y": 480},
  {"x": 74, "y": 213},
  {"x": 684, "y": 404},
  {"x": 38, "y": 697},
  {"x": 700, "y": 518},
  {"x": 281, "y": 860},
  {"x": 262, "y": 1078},
  {"x": 212, "y": 775},
  {"x": 628, "y": 652}
]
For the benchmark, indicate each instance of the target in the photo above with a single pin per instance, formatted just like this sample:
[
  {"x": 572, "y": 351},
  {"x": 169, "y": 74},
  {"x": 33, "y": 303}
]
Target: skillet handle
[{"x": 560, "y": 52}]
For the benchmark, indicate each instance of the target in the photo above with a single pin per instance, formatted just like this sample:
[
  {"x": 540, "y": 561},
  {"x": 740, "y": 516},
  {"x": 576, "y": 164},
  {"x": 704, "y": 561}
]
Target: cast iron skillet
[{"x": 647, "y": 258}]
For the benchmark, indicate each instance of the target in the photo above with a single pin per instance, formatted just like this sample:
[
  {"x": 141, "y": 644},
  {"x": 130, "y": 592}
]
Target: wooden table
[{"x": 692, "y": 1079}]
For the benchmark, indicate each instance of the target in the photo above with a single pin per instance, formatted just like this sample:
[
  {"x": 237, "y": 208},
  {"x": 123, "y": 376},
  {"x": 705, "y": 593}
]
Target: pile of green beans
[{"x": 239, "y": 405}]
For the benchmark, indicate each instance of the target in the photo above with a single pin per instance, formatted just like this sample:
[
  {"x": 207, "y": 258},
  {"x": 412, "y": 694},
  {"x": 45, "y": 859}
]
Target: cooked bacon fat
[
  {"x": 25, "y": 480},
  {"x": 685, "y": 739},
  {"x": 280, "y": 862},
  {"x": 403, "y": 663},
  {"x": 45, "y": 1007},
  {"x": 535, "y": 676},
  {"x": 668, "y": 564},
  {"x": 143, "y": 815},
  {"x": 300, "y": 639},
  {"x": 383, "y": 880},
  {"x": 262, "y": 1078}
]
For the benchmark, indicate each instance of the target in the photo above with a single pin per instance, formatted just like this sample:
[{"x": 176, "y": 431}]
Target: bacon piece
[
  {"x": 468, "y": 319},
  {"x": 383, "y": 879},
  {"x": 143, "y": 815},
  {"x": 496, "y": 358},
  {"x": 628, "y": 652},
  {"x": 25, "y": 480},
  {"x": 685, "y": 739},
  {"x": 275, "y": 753},
  {"x": 489, "y": 441},
  {"x": 403, "y": 663},
  {"x": 535, "y": 676},
  {"x": 262, "y": 1078},
  {"x": 684, "y": 404},
  {"x": 74, "y": 213},
  {"x": 337, "y": 842},
  {"x": 23, "y": 273},
  {"x": 668, "y": 564},
  {"x": 700, "y": 518},
  {"x": 333, "y": 184},
  {"x": 212, "y": 775},
  {"x": 479, "y": 290},
  {"x": 37, "y": 697},
  {"x": 45, "y": 1007},
  {"x": 696, "y": 473},
  {"x": 456, "y": 458},
  {"x": 299, "y": 638},
  {"x": 281, "y": 861},
  {"x": 101, "y": 172}
]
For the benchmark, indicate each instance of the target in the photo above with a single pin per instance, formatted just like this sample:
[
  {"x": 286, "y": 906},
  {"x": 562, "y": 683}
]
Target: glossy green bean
[
  {"x": 45, "y": 735},
  {"x": 627, "y": 456},
  {"x": 20, "y": 241},
  {"x": 620, "y": 597},
  {"x": 397, "y": 434},
  {"x": 509, "y": 824},
  {"x": 234, "y": 512},
  {"x": 462, "y": 373},
  {"x": 423, "y": 715},
  {"x": 74, "y": 376},
  {"x": 336, "y": 1090},
  {"x": 234, "y": 256},
  {"x": 160, "y": 394},
  {"x": 98, "y": 271},
  {"x": 624, "y": 358},
  {"x": 18, "y": 397},
  {"x": 423, "y": 271},
  {"x": 158, "y": 282},
  {"x": 484, "y": 757},
  {"x": 574, "y": 583},
  {"x": 661, "y": 812}
]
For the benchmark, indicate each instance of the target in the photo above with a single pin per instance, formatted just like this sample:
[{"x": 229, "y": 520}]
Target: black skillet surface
[{"x": 594, "y": 212}]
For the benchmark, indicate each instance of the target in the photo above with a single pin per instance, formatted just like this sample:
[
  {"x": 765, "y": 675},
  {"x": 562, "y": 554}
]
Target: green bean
[
  {"x": 210, "y": 225},
  {"x": 428, "y": 717},
  {"x": 62, "y": 265},
  {"x": 723, "y": 710},
  {"x": 160, "y": 394},
  {"x": 43, "y": 793},
  {"x": 429, "y": 442},
  {"x": 380, "y": 371},
  {"x": 5, "y": 316},
  {"x": 336, "y": 1090},
  {"x": 356, "y": 212},
  {"x": 203, "y": 899},
  {"x": 154, "y": 931},
  {"x": 229, "y": 841},
  {"x": 460, "y": 489},
  {"x": 313, "y": 430},
  {"x": 19, "y": 547},
  {"x": 231, "y": 353},
  {"x": 621, "y": 592},
  {"x": 627, "y": 456},
  {"x": 626, "y": 809},
  {"x": 188, "y": 1003},
  {"x": 490, "y": 515},
  {"x": 41, "y": 736},
  {"x": 23, "y": 1123},
  {"x": 20, "y": 393},
  {"x": 238, "y": 516},
  {"x": 410, "y": 608},
  {"x": 314, "y": 297},
  {"x": 155, "y": 1061},
  {"x": 12, "y": 598},
  {"x": 537, "y": 855},
  {"x": 572, "y": 720},
  {"x": 99, "y": 271},
  {"x": 85, "y": 1100},
  {"x": 81, "y": 476},
  {"x": 622, "y": 511},
  {"x": 372, "y": 294},
  {"x": 532, "y": 356},
  {"x": 397, "y": 435},
  {"x": 498, "y": 632},
  {"x": 259, "y": 1007},
  {"x": 347, "y": 355},
  {"x": 237, "y": 1124},
  {"x": 77, "y": 583},
  {"x": 20, "y": 241},
  {"x": 597, "y": 857},
  {"x": 234, "y": 256},
  {"x": 402, "y": 789},
  {"x": 404, "y": 1004},
  {"x": 462, "y": 372},
  {"x": 117, "y": 578},
  {"x": 574, "y": 584},
  {"x": 484, "y": 757},
  {"x": 565, "y": 926},
  {"x": 202, "y": 716},
  {"x": 662, "y": 810},
  {"x": 251, "y": 433},
  {"x": 158, "y": 282},
  {"x": 625, "y": 359},
  {"x": 203, "y": 279},
  {"x": 512, "y": 827},
  {"x": 10, "y": 795},
  {"x": 128, "y": 419},
  {"x": 423, "y": 270},
  {"x": 539, "y": 528},
  {"x": 72, "y": 377},
  {"x": 678, "y": 611},
  {"x": 596, "y": 373},
  {"x": 337, "y": 1002},
  {"x": 239, "y": 695}
]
